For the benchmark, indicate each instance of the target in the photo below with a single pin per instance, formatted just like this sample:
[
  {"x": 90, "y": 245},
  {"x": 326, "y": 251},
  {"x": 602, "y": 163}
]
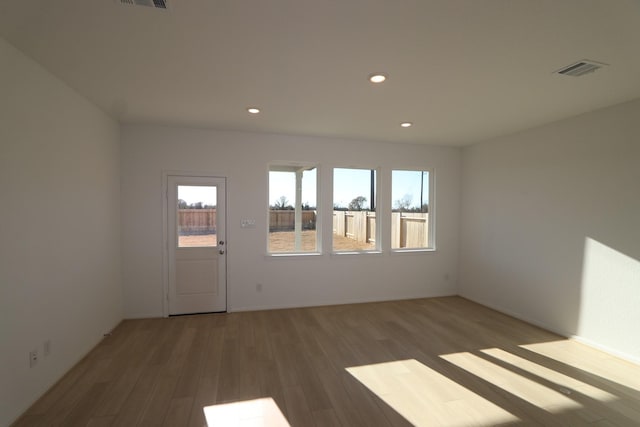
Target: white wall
[
  {"x": 60, "y": 233},
  {"x": 294, "y": 281},
  {"x": 550, "y": 228}
]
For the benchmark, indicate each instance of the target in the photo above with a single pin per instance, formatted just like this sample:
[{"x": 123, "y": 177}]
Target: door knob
[
  {"x": 221, "y": 242},
  {"x": 221, "y": 251}
]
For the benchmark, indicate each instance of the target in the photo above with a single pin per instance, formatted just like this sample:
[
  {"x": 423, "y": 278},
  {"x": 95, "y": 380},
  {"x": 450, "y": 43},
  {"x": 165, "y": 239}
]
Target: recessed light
[
  {"x": 253, "y": 110},
  {"x": 377, "y": 77},
  {"x": 406, "y": 124}
]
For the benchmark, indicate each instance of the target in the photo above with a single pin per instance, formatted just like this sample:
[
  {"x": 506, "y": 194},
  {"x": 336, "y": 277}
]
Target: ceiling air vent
[
  {"x": 158, "y": 4},
  {"x": 580, "y": 68}
]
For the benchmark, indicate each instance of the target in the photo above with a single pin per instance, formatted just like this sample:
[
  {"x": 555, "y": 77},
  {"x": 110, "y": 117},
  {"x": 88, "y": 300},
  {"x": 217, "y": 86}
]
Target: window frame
[
  {"x": 431, "y": 221},
  {"x": 378, "y": 234},
  {"x": 318, "y": 208}
]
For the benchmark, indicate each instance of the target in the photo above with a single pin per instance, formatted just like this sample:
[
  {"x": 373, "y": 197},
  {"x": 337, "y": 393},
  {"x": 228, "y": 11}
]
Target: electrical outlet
[
  {"x": 33, "y": 358},
  {"x": 258, "y": 287},
  {"x": 47, "y": 348}
]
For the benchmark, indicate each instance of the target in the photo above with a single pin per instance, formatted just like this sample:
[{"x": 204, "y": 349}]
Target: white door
[{"x": 197, "y": 245}]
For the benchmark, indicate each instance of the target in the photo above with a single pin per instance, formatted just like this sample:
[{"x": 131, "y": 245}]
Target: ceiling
[{"x": 462, "y": 71}]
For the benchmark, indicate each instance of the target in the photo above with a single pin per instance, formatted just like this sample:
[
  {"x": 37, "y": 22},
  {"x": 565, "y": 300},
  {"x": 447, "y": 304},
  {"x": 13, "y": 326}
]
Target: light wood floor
[{"x": 427, "y": 362}]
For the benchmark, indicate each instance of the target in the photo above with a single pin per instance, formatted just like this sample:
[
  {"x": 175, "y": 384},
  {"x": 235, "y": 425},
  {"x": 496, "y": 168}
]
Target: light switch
[{"x": 248, "y": 223}]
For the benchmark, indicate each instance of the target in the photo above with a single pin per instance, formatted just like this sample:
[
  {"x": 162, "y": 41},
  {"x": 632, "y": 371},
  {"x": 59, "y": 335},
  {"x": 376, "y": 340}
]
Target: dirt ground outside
[
  {"x": 283, "y": 241},
  {"x": 195, "y": 241}
]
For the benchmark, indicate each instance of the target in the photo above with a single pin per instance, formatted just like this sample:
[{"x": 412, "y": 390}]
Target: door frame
[{"x": 165, "y": 231}]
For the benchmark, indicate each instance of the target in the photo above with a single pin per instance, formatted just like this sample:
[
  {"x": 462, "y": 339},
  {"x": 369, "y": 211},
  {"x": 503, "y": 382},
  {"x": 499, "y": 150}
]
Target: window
[
  {"x": 354, "y": 210},
  {"x": 410, "y": 222},
  {"x": 292, "y": 209}
]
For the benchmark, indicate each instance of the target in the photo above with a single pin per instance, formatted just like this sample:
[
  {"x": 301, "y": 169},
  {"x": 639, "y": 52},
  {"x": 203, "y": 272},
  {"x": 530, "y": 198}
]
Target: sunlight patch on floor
[
  {"x": 427, "y": 398},
  {"x": 591, "y": 360},
  {"x": 530, "y": 391},
  {"x": 258, "y": 412},
  {"x": 566, "y": 384}
]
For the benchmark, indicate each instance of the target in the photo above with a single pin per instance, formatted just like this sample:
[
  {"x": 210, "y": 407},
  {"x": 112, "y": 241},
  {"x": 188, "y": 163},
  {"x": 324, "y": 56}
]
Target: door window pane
[{"x": 196, "y": 216}]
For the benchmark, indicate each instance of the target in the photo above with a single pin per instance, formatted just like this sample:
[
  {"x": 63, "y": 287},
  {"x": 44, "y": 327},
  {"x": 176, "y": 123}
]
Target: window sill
[
  {"x": 356, "y": 253},
  {"x": 412, "y": 251},
  {"x": 292, "y": 255}
]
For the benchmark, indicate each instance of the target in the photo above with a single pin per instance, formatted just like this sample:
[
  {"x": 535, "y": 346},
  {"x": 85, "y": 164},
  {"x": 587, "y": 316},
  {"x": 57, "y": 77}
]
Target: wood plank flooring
[{"x": 426, "y": 362}]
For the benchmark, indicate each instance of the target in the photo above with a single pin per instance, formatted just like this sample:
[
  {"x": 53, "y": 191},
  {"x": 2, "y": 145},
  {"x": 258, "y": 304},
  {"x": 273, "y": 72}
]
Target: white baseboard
[{"x": 334, "y": 302}]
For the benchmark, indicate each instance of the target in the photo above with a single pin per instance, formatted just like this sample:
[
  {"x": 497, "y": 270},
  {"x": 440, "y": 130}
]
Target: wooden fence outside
[
  {"x": 357, "y": 225},
  {"x": 284, "y": 220},
  {"x": 196, "y": 221},
  {"x": 408, "y": 230}
]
